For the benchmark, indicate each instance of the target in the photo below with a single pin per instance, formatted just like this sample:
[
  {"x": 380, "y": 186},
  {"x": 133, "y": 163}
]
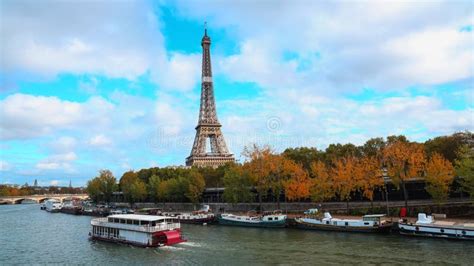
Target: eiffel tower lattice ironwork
[{"x": 208, "y": 127}]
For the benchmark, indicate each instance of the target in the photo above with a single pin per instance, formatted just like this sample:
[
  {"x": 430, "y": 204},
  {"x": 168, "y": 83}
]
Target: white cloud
[
  {"x": 432, "y": 56},
  {"x": 63, "y": 144},
  {"x": 308, "y": 121},
  {"x": 54, "y": 182},
  {"x": 27, "y": 116},
  {"x": 58, "y": 162},
  {"x": 385, "y": 45},
  {"x": 36, "y": 40},
  {"x": 5, "y": 166},
  {"x": 180, "y": 73},
  {"x": 120, "y": 39},
  {"x": 100, "y": 140}
]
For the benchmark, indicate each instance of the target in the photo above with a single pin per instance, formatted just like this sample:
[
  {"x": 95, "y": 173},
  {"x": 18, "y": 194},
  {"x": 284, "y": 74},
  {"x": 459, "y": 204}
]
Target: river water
[{"x": 29, "y": 235}]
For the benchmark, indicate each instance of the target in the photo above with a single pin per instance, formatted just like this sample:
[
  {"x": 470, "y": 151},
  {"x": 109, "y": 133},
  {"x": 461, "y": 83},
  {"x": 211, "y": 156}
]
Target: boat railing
[{"x": 131, "y": 227}]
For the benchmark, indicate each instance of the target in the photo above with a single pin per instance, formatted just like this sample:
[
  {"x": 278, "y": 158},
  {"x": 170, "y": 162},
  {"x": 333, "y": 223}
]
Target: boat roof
[
  {"x": 374, "y": 215},
  {"x": 140, "y": 217}
]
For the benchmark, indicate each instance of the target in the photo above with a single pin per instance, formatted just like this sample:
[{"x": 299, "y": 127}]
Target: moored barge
[
  {"x": 137, "y": 230},
  {"x": 426, "y": 226},
  {"x": 373, "y": 223},
  {"x": 266, "y": 220},
  {"x": 201, "y": 216}
]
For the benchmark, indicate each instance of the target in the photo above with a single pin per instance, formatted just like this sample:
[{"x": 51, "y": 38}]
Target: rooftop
[
  {"x": 374, "y": 215},
  {"x": 149, "y": 218}
]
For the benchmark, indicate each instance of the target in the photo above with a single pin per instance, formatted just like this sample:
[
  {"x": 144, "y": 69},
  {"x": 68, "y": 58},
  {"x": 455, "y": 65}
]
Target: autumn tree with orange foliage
[
  {"x": 296, "y": 181},
  {"x": 258, "y": 167},
  {"x": 368, "y": 176},
  {"x": 343, "y": 180},
  {"x": 404, "y": 161},
  {"x": 439, "y": 175},
  {"x": 321, "y": 184}
]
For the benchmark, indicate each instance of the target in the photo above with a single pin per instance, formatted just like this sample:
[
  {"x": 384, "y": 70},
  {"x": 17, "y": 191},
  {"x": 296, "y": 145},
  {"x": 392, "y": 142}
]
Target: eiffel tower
[{"x": 208, "y": 127}]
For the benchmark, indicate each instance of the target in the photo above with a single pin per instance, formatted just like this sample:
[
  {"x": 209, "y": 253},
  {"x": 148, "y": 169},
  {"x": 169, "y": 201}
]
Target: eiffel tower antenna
[{"x": 208, "y": 127}]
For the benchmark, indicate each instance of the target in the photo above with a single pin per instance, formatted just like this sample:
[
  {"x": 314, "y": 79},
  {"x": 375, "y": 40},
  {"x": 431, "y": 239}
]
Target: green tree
[
  {"x": 153, "y": 187},
  {"x": 108, "y": 184},
  {"x": 464, "y": 166},
  {"x": 373, "y": 147},
  {"x": 303, "y": 155},
  {"x": 93, "y": 189},
  {"x": 237, "y": 185},
  {"x": 177, "y": 188},
  {"x": 195, "y": 186},
  {"x": 338, "y": 151},
  {"x": 102, "y": 187},
  {"x": 138, "y": 191},
  {"x": 126, "y": 181},
  {"x": 448, "y": 145},
  {"x": 164, "y": 191},
  {"x": 400, "y": 138}
]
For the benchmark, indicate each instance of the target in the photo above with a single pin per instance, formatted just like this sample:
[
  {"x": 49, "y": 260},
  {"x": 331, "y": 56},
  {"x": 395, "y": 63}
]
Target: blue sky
[{"x": 116, "y": 84}]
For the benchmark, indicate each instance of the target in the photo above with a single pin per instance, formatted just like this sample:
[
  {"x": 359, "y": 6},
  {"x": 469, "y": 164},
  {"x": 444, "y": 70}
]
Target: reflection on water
[{"x": 29, "y": 235}]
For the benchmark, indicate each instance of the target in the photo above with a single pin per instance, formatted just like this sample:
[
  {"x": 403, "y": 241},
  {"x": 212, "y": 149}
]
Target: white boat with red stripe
[{"x": 138, "y": 230}]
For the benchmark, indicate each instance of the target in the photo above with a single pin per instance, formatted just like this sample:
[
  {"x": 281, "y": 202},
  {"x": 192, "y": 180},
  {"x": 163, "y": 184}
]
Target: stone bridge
[{"x": 40, "y": 198}]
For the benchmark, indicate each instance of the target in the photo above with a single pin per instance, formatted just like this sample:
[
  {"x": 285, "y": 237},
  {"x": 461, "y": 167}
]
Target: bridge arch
[
  {"x": 42, "y": 200},
  {"x": 18, "y": 201}
]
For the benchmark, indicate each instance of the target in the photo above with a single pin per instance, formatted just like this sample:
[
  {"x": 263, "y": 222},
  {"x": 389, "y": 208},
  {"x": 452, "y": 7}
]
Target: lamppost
[{"x": 385, "y": 181}]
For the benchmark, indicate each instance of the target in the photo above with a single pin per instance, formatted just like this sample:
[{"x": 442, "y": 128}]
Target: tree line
[
  {"x": 25, "y": 190},
  {"x": 307, "y": 173}
]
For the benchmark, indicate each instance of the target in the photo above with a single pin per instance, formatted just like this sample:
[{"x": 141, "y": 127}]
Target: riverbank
[{"x": 458, "y": 208}]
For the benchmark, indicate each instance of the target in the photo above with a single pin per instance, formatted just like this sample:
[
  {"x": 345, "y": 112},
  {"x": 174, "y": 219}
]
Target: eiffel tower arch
[{"x": 208, "y": 127}]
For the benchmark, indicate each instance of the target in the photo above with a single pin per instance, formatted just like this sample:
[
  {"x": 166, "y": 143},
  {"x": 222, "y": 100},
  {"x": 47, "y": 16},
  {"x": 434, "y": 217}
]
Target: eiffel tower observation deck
[{"x": 208, "y": 129}]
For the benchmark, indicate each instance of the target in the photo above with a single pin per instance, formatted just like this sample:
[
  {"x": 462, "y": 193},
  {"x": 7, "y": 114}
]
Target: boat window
[
  {"x": 129, "y": 222},
  {"x": 145, "y": 222},
  {"x": 366, "y": 223},
  {"x": 346, "y": 223},
  {"x": 442, "y": 230},
  {"x": 276, "y": 218},
  {"x": 153, "y": 223},
  {"x": 122, "y": 221},
  {"x": 136, "y": 222},
  {"x": 111, "y": 220},
  {"x": 327, "y": 222},
  {"x": 270, "y": 218}
]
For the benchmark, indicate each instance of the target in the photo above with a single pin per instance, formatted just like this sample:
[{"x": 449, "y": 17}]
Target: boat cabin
[
  {"x": 140, "y": 220},
  {"x": 376, "y": 218}
]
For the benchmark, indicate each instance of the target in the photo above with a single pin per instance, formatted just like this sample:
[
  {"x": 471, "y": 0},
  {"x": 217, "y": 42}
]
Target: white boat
[
  {"x": 116, "y": 212},
  {"x": 427, "y": 226},
  {"x": 201, "y": 216},
  {"x": 266, "y": 220},
  {"x": 53, "y": 205},
  {"x": 373, "y": 223},
  {"x": 138, "y": 230}
]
